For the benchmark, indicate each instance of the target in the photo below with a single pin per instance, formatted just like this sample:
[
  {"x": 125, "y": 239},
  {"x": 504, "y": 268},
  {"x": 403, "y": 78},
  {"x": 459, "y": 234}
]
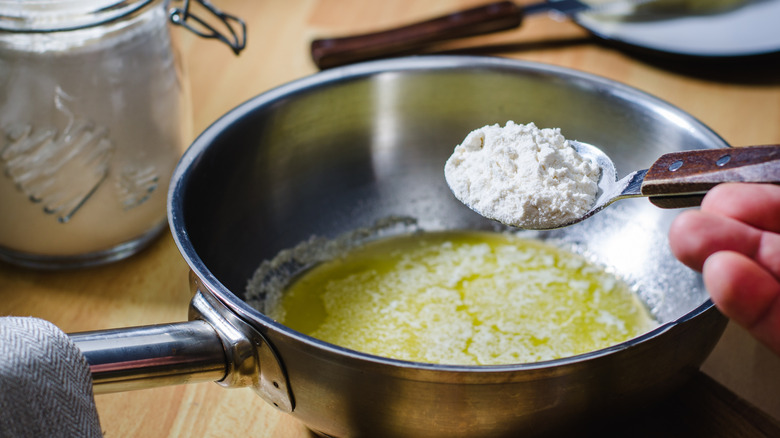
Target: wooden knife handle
[
  {"x": 492, "y": 17},
  {"x": 680, "y": 179}
]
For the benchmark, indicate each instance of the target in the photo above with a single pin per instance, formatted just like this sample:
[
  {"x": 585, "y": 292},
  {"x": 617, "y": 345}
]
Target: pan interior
[{"x": 347, "y": 150}]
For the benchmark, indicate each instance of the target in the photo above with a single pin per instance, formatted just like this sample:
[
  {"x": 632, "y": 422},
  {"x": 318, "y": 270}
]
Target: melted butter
[{"x": 469, "y": 298}]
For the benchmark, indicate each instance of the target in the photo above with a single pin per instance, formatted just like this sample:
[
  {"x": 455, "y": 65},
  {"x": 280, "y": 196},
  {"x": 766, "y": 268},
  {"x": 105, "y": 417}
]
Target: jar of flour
[{"x": 94, "y": 115}]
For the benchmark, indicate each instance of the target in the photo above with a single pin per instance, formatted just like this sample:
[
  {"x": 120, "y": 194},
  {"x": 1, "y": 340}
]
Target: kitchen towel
[{"x": 45, "y": 382}]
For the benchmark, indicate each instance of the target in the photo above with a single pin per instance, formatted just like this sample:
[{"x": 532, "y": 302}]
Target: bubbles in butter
[{"x": 464, "y": 297}]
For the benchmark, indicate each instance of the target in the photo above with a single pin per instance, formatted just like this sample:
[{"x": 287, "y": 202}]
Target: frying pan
[{"x": 354, "y": 145}]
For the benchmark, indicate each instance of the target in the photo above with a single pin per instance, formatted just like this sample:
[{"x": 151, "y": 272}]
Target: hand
[{"x": 734, "y": 240}]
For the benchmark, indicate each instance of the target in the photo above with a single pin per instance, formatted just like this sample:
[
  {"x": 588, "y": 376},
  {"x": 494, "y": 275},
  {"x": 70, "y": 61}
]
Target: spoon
[{"x": 680, "y": 179}]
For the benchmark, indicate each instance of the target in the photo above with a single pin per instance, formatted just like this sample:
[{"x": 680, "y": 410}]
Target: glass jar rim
[{"x": 65, "y": 15}]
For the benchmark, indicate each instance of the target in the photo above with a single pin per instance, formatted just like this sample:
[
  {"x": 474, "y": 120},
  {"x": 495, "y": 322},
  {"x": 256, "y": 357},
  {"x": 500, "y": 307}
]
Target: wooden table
[{"x": 741, "y": 104}]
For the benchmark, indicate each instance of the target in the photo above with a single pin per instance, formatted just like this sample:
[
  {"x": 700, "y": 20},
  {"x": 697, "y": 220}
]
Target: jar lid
[{"x": 63, "y": 15}]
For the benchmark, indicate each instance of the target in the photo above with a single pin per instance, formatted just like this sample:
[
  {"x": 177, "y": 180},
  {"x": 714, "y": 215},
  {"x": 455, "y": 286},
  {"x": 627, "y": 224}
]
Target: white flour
[
  {"x": 522, "y": 176},
  {"x": 92, "y": 123}
]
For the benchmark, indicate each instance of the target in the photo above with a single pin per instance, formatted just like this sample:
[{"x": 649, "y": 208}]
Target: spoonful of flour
[{"x": 523, "y": 176}]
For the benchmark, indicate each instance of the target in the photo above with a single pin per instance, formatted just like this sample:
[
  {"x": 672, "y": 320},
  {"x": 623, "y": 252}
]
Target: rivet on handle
[
  {"x": 723, "y": 160},
  {"x": 676, "y": 165}
]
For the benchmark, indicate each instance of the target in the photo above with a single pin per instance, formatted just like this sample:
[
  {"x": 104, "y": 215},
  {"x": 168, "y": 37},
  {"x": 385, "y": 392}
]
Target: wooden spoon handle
[
  {"x": 489, "y": 18},
  {"x": 680, "y": 179}
]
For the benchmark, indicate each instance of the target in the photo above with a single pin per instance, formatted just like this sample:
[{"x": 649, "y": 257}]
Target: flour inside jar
[{"x": 462, "y": 297}]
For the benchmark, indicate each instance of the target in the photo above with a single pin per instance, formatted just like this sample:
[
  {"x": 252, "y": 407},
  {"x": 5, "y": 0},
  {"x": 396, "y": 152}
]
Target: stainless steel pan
[{"x": 343, "y": 148}]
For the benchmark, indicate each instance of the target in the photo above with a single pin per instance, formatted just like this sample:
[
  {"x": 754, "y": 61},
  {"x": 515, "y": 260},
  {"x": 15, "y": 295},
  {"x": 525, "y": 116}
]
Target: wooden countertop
[{"x": 741, "y": 103}]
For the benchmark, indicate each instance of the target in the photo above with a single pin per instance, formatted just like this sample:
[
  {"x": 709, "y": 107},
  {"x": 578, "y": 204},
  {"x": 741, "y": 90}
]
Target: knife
[{"x": 492, "y": 17}]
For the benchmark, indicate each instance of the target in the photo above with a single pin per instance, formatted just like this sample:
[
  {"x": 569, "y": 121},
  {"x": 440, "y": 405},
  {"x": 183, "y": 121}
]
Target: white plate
[{"x": 753, "y": 29}]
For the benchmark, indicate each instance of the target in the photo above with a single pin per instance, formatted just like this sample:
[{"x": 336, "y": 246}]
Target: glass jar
[{"x": 94, "y": 114}]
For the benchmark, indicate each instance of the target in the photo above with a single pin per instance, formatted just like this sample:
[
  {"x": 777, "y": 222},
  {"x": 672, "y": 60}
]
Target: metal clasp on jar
[{"x": 236, "y": 28}]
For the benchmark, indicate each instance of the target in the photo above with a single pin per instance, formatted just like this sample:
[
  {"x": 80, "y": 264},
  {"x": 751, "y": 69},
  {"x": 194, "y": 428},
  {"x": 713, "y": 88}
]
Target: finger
[
  {"x": 745, "y": 292},
  {"x": 694, "y": 235},
  {"x": 754, "y": 204}
]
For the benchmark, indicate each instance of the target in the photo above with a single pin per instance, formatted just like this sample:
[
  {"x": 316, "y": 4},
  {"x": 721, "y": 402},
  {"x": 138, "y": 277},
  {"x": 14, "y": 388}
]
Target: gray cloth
[{"x": 45, "y": 383}]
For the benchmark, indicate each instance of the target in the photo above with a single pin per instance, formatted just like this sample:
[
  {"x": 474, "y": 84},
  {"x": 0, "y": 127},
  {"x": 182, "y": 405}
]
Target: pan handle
[
  {"x": 151, "y": 356},
  {"x": 215, "y": 345}
]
